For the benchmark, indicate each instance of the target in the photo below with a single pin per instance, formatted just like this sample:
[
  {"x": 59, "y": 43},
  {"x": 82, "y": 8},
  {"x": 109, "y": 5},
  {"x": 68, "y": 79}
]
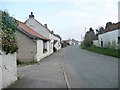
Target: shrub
[
  {"x": 8, "y": 26},
  {"x": 44, "y": 50}
]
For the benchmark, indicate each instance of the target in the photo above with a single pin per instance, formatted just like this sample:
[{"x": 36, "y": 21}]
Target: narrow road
[
  {"x": 85, "y": 69},
  {"x": 70, "y": 67}
]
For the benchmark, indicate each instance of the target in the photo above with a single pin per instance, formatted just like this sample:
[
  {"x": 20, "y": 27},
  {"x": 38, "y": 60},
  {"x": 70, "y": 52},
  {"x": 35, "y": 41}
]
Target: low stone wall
[{"x": 9, "y": 69}]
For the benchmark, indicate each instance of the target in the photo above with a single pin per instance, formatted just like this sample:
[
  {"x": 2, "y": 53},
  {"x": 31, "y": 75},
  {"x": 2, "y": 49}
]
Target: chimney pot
[
  {"x": 31, "y": 13},
  {"x": 45, "y": 25},
  {"x": 31, "y": 16}
]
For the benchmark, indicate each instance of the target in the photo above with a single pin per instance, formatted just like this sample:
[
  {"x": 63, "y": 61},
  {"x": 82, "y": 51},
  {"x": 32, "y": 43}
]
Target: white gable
[{"x": 35, "y": 25}]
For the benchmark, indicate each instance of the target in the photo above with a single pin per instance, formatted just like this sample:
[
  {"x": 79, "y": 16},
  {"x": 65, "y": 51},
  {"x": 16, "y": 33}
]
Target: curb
[{"x": 64, "y": 74}]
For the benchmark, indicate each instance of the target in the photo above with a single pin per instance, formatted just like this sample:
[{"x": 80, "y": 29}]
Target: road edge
[{"x": 64, "y": 74}]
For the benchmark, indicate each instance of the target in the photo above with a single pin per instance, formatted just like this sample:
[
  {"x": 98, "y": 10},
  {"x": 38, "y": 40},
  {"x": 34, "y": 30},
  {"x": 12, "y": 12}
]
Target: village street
[{"x": 83, "y": 69}]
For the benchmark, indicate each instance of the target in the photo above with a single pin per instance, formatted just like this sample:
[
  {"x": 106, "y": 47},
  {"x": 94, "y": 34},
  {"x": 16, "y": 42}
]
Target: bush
[
  {"x": 26, "y": 63},
  {"x": 44, "y": 50},
  {"x": 8, "y": 25},
  {"x": 105, "y": 51}
]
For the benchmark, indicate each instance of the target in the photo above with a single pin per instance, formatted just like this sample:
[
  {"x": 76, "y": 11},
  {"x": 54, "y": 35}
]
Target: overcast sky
[{"x": 68, "y": 18}]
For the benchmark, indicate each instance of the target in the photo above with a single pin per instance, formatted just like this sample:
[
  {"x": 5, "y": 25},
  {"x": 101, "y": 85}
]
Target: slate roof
[
  {"x": 27, "y": 30},
  {"x": 45, "y": 27}
]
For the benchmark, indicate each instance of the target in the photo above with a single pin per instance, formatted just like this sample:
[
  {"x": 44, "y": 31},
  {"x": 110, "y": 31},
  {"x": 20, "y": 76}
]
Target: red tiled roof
[
  {"x": 113, "y": 27},
  {"x": 30, "y": 31}
]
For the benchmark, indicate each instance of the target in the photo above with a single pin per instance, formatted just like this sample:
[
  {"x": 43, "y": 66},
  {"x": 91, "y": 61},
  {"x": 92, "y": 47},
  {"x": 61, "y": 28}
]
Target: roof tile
[{"x": 30, "y": 31}]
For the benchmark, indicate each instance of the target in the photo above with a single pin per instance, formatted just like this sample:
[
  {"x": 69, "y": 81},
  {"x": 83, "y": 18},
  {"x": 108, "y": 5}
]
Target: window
[
  {"x": 118, "y": 40},
  {"x": 44, "y": 46}
]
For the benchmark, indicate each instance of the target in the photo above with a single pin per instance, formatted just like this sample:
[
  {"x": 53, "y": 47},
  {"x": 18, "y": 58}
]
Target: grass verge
[
  {"x": 105, "y": 51},
  {"x": 20, "y": 64}
]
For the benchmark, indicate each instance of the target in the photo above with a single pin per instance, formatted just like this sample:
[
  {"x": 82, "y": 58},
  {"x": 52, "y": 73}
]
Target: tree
[
  {"x": 108, "y": 24},
  {"x": 100, "y": 30},
  {"x": 8, "y": 26},
  {"x": 89, "y": 37}
]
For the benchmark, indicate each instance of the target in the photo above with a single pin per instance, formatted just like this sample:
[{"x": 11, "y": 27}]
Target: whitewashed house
[
  {"x": 43, "y": 29},
  {"x": 73, "y": 42},
  {"x": 110, "y": 39},
  {"x": 31, "y": 44}
]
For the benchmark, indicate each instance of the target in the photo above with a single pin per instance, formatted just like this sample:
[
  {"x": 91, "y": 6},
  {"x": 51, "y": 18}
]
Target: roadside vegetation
[
  {"x": 19, "y": 63},
  {"x": 109, "y": 49},
  {"x": 8, "y": 26},
  {"x": 105, "y": 51}
]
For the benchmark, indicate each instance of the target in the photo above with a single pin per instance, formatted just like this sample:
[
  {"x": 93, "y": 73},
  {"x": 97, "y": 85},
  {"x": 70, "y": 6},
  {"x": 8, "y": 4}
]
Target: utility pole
[{"x": 85, "y": 31}]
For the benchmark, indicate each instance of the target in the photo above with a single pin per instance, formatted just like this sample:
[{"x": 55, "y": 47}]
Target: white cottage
[
  {"x": 110, "y": 39},
  {"x": 31, "y": 44},
  {"x": 55, "y": 40}
]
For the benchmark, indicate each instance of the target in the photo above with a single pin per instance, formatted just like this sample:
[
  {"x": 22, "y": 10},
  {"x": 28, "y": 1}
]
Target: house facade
[
  {"x": 55, "y": 41},
  {"x": 110, "y": 39},
  {"x": 73, "y": 42},
  {"x": 31, "y": 44}
]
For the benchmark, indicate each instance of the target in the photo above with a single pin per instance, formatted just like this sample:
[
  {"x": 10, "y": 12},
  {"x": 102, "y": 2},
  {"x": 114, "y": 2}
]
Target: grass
[
  {"x": 19, "y": 63},
  {"x": 105, "y": 51}
]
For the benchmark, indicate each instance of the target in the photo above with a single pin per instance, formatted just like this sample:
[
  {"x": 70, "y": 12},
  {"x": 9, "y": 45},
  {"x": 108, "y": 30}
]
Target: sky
[{"x": 68, "y": 18}]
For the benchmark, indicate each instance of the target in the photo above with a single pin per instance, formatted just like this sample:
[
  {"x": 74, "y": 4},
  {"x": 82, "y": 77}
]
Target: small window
[
  {"x": 118, "y": 40},
  {"x": 44, "y": 46}
]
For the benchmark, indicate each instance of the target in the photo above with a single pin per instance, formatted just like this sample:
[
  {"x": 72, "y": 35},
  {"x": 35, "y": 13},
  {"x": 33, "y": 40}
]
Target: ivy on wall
[{"x": 8, "y": 26}]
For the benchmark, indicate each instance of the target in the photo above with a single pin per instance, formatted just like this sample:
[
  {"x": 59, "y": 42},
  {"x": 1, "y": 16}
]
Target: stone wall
[{"x": 9, "y": 69}]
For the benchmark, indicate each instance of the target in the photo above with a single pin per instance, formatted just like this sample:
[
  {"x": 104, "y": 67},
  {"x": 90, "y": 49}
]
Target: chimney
[
  {"x": 45, "y": 25},
  {"x": 52, "y": 32},
  {"x": 31, "y": 16}
]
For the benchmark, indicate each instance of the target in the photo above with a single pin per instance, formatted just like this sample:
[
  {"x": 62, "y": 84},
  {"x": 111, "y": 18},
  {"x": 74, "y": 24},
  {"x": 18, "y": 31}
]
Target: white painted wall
[
  {"x": 0, "y": 72},
  {"x": 47, "y": 53},
  {"x": 96, "y": 43},
  {"x": 40, "y": 55},
  {"x": 9, "y": 69},
  {"x": 51, "y": 47},
  {"x": 32, "y": 23},
  {"x": 57, "y": 45},
  {"x": 39, "y": 50},
  {"x": 107, "y": 38}
]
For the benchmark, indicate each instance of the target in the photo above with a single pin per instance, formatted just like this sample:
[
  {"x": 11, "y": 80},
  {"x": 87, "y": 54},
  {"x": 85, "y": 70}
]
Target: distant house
[
  {"x": 109, "y": 39},
  {"x": 31, "y": 44},
  {"x": 72, "y": 42},
  {"x": 55, "y": 40},
  {"x": 65, "y": 43}
]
